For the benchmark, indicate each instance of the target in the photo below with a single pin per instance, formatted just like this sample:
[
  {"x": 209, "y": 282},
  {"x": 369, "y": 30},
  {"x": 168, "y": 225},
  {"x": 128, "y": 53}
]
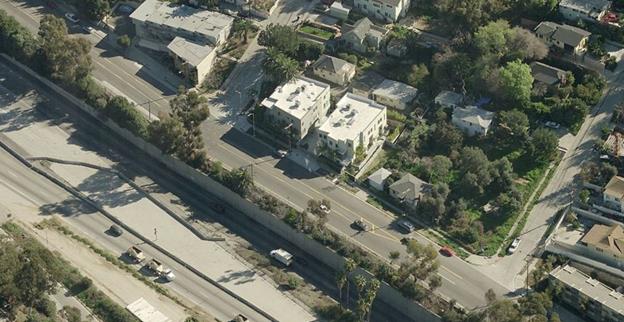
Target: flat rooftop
[
  {"x": 208, "y": 23},
  {"x": 190, "y": 52},
  {"x": 353, "y": 114},
  {"x": 296, "y": 96},
  {"x": 592, "y": 288},
  {"x": 396, "y": 90}
]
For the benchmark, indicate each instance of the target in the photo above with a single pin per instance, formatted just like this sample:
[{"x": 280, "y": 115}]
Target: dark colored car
[
  {"x": 406, "y": 226},
  {"x": 115, "y": 230},
  {"x": 447, "y": 251}
]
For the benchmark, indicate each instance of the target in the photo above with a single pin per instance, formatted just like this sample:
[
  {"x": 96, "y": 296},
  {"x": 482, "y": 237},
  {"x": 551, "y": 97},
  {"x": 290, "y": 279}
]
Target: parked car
[
  {"x": 322, "y": 8},
  {"x": 514, "y": 246},
  {"x": 115, "y": 230},
  {"x": 447, "y": 251},
  {"x": 72, "y": 17},
  {"x": 361, "y": 225},
  {"x": 281, "y": 153},
  {"x": 406, "y": 225},
  {"x": 324, "y": 208},
  {"x": 552, "y": 125},
  {"x": 87, "y": 29},
  {"x": 604, "y": 157}
]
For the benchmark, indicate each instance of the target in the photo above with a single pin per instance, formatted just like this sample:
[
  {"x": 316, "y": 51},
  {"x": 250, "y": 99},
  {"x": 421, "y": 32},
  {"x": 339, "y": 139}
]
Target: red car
[{"x": 446, "y": 251}]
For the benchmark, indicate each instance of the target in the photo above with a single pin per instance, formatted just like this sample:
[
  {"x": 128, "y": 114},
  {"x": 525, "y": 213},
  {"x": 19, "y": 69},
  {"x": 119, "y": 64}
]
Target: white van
[{"x": 282, "y": 256}]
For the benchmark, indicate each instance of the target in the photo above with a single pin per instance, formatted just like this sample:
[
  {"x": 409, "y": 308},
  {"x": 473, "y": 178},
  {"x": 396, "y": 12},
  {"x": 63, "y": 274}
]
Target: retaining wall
[{"x": 321, "y": 253}]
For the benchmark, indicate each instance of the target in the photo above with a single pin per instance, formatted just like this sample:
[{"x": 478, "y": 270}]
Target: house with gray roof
[
  {"x": 377, "y": 179},
  {"x": 366, "y": 83},
  {"x": 394, "y": 94},
  {"x": 194, "y": 60},
  {"x": 449, "y": 99},
  {"x": 588, "y": 10},
  {"x": 570, "y": 39},
  {"x": 363, "y": 36},
  {"x": 472, "y": 120},
  {"x": 409, "y": 189},
  {"x": 547, "y": 75},
  {"x": 334, "y": 70}
]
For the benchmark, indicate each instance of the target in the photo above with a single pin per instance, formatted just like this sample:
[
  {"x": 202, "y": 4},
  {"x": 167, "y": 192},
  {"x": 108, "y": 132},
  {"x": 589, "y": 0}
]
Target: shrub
[
  {"x": 72, "y": 314},
  {"x": 46, "y": 307},
  {"x": 127, "y": 116}
]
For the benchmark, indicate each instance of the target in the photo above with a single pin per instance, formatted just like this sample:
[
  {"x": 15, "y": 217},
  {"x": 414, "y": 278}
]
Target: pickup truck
[
  {"x": 157, "y": 267},
  {"x": 136, "y": 254}
]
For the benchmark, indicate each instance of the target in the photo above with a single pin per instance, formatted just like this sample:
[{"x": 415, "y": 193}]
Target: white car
[
  {"x": 72, "y": 17},
  {"x": 324, "y": 208},
  {"x": 552, "y": 125},
  {"x": 514, "y": 246},
  {"x": 87, "y": 29},
  {"x": 168, "y": 275}
]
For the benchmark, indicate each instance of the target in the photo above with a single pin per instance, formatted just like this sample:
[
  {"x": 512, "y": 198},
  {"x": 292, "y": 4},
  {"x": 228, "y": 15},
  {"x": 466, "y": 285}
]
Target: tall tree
[
  {"x": 166, "y": 134},
  {"x": 512, "y": 127},
  {"x": 66, "y": 59},
  {"x": 278, "y": 66},
  {"x": 515, "y": 81},
  {"x": 95, "y": 9},
  {"x": 33, "y": 280},
  {"x": 190, "y": 108},
  {"x": 349, "y": 267},
  {"x": 543, "y": 145},
  {"x": 341, "y": 280},
  {"x": 281, "y": 37}
]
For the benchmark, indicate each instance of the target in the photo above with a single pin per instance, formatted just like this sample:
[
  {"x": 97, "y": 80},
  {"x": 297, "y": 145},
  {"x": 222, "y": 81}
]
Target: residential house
[
  {"x": 334, "y": 70},
  {"x": 613, "y": 193},
  {"x": 603, "y": 240},
  {"x": 589, "y": 10},
  {"x": 547, "y": 75},
  {"x": 339, "y": 11},
  {"x": 377, "y": 180},
  {"x": 363, "y": 36},
  {"x": 597, "y": 301},
  {"x": 408, "y": 190},
  {"x": 364, "y": 84},
  {"x": 394, "y": 94},
  {"x": 385, "y": 10},
  {"x": 353, "y": 129},
  {"x": 472, "y": 120},
  {"x": 298, "y": 105},
  {"x": 448, "y": 99},
  {"x": 193, "y": 60},
  {"x": 570, "y": 39}
]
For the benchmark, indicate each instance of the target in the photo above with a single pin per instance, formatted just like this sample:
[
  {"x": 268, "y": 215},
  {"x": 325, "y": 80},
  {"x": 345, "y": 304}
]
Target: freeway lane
[{"x": 42, "y": 195}]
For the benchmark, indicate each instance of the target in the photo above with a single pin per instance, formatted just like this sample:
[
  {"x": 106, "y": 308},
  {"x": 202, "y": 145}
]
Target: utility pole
[{"x": 155, "y": 234}]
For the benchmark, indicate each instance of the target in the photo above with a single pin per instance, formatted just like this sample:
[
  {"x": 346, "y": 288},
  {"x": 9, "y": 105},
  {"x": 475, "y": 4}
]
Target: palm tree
[
  {"x": 341, "y": 280},
  {"x": 360, "y": 284},
  {"x": 349, "y": 266},
  {"x": 371, "y": 294}
]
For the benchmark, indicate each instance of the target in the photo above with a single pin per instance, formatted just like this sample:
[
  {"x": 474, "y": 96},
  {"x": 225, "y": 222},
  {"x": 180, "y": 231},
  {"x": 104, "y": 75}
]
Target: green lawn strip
[{"x": 316, "y": 31}]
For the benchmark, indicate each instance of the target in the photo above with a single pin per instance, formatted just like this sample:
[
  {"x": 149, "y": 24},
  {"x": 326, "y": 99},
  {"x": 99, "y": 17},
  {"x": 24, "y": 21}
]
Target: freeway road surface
[{"x": 27, "y": 195}]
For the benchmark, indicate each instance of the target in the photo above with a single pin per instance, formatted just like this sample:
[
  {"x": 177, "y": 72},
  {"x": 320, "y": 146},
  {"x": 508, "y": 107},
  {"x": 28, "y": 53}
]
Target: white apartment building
[
  {"x": 298, "y": 105},
  {"x": 356, "y": 121},
  {"x": 193, "y": 60},
  {"x": 158, "y": 22},
  {"x": 386, "y": 10}
]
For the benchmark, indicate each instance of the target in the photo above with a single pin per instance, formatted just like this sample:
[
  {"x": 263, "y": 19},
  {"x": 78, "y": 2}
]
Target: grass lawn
[{"x": 316, "y": 32}]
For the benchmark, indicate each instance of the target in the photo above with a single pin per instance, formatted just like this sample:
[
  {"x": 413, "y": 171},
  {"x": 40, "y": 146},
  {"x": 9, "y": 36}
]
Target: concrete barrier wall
[{"x": 321, "y": 253}]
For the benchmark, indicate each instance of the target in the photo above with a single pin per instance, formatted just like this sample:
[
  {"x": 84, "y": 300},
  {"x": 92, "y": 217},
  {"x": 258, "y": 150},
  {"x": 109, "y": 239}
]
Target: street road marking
[
  {"x": 20, "y": 193},
  {"x": 448, "y": 280},
  {"x": 11, "y": 173},
  {"x": 454, "y": 274}
]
